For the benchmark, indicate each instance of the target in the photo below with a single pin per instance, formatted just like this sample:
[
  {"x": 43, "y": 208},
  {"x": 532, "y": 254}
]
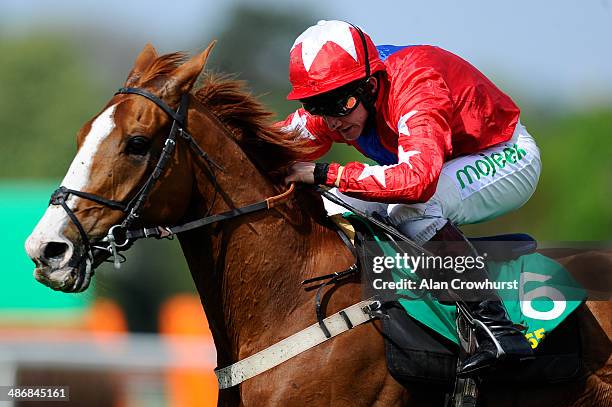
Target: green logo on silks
[
  {"x": 487, "y": 166},
  {"x": 547, "y": 294}
]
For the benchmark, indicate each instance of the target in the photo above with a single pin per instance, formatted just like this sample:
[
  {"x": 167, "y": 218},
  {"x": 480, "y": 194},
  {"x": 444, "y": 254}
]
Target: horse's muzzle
[{"x": 60, "y": 264}]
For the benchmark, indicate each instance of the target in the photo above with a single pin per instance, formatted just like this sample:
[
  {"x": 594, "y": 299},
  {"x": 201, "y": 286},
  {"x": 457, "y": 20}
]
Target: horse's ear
[
  {"x": 143, "y": 61},
  {"x": 185, "y": 76}
]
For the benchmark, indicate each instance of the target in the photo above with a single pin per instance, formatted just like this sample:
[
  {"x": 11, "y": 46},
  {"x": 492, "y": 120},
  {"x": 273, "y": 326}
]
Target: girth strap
[{"x": 295, "y": 344}]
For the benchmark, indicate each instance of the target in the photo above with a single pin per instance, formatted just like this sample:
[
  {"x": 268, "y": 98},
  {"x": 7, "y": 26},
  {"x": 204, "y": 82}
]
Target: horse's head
[{"x": 117, "y": 152}]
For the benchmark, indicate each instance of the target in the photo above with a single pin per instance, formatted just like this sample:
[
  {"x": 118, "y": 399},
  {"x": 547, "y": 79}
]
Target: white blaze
[
  {"x": 54, "y": 220},
  {"x": 78, "y": 174}
]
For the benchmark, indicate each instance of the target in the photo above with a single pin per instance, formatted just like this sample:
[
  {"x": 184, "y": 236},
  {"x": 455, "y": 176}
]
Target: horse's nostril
[{"x": 55, "y": 250}]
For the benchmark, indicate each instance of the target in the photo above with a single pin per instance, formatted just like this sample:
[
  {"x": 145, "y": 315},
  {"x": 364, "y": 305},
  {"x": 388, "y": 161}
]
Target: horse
[{"x": 247, "y": 269}]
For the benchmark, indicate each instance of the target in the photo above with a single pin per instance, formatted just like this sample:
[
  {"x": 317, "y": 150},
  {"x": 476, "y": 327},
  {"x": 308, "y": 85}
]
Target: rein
[
  {"x": 164, "y": 231},
  {"x": 120, "y": 235}
]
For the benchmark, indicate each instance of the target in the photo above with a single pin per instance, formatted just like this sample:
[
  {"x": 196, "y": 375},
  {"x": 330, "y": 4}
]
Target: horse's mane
[{"x": 270, "y": 146}]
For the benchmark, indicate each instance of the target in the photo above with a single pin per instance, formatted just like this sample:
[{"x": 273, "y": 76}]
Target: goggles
[
  {"x": 337, "y": 103},
  {"x": 332, "y": 107}
]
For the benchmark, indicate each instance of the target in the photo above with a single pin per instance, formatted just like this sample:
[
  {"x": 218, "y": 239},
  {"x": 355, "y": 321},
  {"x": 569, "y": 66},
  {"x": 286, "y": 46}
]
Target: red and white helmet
[{"x": 329, "y": 55}]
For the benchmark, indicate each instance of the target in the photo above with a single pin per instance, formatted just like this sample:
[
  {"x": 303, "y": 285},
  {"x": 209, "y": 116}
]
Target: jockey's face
[{"x": 350, "y": 126}]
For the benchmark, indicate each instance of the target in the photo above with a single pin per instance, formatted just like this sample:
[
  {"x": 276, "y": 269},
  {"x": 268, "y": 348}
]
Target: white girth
[{"x": 293, "y": 345}]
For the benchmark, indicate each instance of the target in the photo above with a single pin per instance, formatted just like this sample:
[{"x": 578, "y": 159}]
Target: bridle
[{"x": 120, "y": 236}]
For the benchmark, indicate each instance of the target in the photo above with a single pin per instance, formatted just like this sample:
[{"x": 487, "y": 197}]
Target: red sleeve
[
  {"x": 312, "y": 128},
  {"x": 421, "y": 108}
]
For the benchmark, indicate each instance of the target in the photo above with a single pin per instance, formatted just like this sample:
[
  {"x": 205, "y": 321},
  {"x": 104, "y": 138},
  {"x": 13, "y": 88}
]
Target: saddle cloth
[{"x": 421, "y": 341}]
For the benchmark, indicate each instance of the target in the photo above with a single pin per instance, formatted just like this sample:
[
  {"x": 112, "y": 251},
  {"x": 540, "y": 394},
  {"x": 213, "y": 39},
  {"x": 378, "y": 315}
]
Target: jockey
[{"x": 449, "y": 146}]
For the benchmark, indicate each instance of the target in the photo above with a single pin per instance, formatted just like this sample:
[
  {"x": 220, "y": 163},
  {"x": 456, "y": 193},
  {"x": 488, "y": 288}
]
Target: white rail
[{"x": 132, "y": 352}]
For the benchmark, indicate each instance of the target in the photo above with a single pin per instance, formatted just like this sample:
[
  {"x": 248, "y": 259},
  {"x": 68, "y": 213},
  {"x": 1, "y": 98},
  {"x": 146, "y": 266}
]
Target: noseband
[{"x": 120, "y": 236}]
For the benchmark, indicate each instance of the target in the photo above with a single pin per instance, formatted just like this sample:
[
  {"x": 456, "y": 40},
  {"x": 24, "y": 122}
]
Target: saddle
[{"x": 418, "y": 355}]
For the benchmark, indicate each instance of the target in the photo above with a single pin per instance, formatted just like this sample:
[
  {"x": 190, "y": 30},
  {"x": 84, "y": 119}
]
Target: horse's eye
[{"x": 137, "y": 145}]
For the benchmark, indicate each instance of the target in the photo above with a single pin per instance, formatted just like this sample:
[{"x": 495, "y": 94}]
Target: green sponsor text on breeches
[{"x": 487, "y": 166}]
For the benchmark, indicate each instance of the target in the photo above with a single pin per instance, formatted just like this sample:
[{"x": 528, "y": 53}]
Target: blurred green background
[{"x": 54, "y": 78}]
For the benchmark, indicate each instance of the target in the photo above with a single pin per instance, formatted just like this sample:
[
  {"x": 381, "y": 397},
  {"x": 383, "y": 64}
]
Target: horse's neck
[{"x": 248, "y": 270}]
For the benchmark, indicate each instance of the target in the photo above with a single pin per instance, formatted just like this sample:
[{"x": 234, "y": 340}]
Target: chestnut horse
[{"x": 248, "y": 269}]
